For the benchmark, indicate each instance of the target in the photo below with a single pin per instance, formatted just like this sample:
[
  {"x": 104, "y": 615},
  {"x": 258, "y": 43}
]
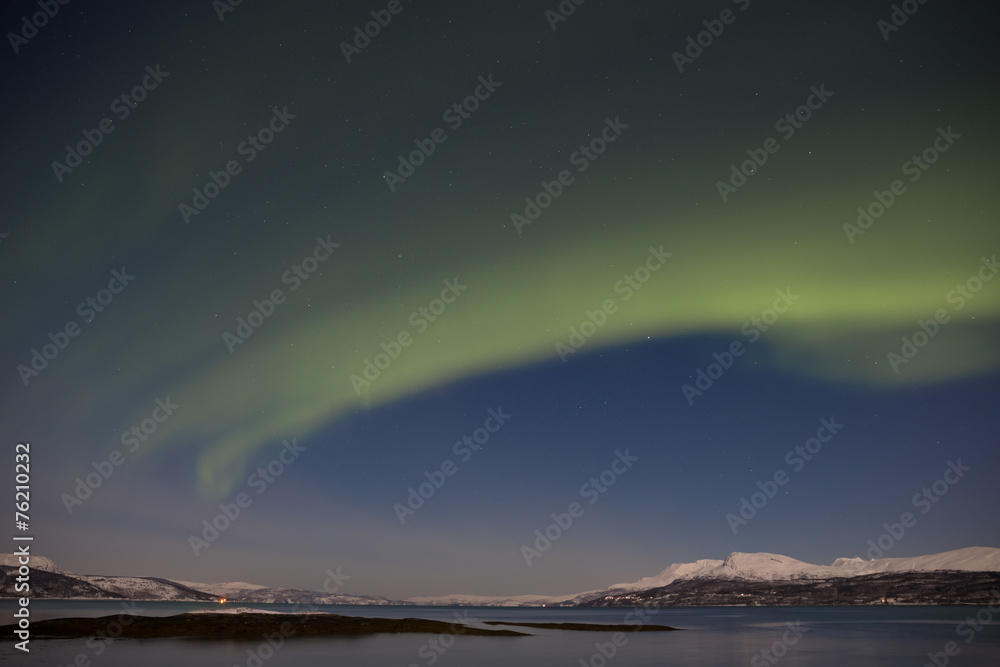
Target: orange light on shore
[{"x": 222, "y": 600}]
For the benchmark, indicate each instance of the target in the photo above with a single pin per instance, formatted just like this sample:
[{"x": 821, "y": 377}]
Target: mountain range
[{"x": 963, "y": 576}]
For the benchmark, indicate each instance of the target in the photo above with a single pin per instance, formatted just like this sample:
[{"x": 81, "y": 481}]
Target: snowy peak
[
  {"x": 229, "y": 589},
  {"x": 671, "y": 574},
  {"x": 970, "y": 559},
  {"x": 737, "y": 565},
  {"x": 764, "y": 566},
  {"x": 775, "y": 567},
  {"x": 37, "y": 563},
  {"x": 754, "y": 567}
]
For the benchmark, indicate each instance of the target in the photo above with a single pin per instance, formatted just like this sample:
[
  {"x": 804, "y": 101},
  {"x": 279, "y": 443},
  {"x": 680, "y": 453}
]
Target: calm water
[{"x": 720, "y": 636}]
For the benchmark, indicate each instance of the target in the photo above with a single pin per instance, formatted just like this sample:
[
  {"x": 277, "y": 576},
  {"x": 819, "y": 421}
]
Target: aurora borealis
[{"x": 295, "y": 275}]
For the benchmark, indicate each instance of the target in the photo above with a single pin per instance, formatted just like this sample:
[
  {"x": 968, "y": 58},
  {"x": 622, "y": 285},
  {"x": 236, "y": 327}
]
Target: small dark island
[
  {"x": 249, "y": 625},
  {"x": 254, "y": 625}
]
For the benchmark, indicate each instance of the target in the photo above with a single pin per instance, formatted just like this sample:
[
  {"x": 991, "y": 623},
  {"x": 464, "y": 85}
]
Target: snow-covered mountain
[
  {"x": 243, "y": 592},
  {"x": 48, "y": 580},
  {"x": 769, "y": 567},
  {"x": 750, "y": 567},
  {"x": 37, "y": 563}
]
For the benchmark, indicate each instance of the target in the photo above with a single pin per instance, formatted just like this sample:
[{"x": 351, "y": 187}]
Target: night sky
[{"x": 503, "y": 251}]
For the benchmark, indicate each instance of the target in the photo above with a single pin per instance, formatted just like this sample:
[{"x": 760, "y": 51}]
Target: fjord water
[{"x": 713, "y": 636}]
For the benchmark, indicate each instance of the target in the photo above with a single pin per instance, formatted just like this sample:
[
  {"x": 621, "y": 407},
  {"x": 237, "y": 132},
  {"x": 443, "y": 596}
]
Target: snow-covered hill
[
  {"x": 767, "y": 567},
  {"x": 749, "y": 567},
  {"x": 243, "y": 592},
  {"x": 461, "y": 600},
  {"x": 47, "y": 580},
  {"x": 672, "y": 573},
  {"x": 37, "y": 562},
  {"x": 51, "y": 581},
  {"x": 971, "y": 559}
]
